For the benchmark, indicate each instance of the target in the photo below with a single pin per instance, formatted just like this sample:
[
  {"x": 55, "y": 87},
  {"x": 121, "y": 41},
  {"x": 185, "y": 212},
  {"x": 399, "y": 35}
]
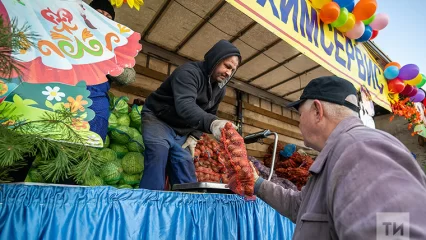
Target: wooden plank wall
[{"x": 258, "y": 114}]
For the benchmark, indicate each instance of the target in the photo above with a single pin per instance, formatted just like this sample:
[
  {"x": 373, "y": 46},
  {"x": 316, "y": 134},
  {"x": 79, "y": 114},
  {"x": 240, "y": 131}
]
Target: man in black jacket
[{"x": 180, "y": 110}]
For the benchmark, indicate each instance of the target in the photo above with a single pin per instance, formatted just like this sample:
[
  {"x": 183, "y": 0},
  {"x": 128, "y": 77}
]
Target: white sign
[{"x": 393, "y": 226}]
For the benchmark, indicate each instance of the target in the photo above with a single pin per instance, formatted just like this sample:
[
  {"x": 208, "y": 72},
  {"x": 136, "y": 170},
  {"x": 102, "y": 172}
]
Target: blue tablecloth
[{"x": 29, "y": 211}]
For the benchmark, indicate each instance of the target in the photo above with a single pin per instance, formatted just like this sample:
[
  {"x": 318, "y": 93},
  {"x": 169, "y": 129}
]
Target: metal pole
[{"x": 273, "y": 156}]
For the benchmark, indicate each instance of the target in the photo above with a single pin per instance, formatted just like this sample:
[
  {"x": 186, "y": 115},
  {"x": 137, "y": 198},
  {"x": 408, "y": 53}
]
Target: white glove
[
  {"x": 217, "y": 126},
  {"x": 191, "y": 142}
]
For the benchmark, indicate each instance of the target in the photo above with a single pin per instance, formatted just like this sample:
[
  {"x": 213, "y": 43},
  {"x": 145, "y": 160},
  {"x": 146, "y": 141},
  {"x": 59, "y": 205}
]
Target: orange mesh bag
[
  {"x": 240, "y": 172},
  {"x": 206, "y": 158},
  {"x": 295, "y": 169}
]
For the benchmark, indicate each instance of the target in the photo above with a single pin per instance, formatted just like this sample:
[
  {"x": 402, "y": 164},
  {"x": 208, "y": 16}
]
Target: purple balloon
[
  {"x": 418, "y": 97},
  {"x": 408, "y": 72},
  {"x": 407, "y": 90}
]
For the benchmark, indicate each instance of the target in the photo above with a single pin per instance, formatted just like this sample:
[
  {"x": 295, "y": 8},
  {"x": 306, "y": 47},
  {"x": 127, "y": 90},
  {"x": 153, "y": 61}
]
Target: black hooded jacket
[{"x": 187, "y": 101}]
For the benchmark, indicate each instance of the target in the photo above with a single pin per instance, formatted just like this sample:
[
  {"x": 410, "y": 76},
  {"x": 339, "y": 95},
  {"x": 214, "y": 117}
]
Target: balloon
[
  {"x": 420, "y": 95},
  {"x": 344, "y": 3},
  {"x": 364, "y": 9},
  {"x": 413, "y": 93},
  {"x": 393, "y": 64},
  {"x": 375, "y": 33},
  {"x": 380, "y": 21},
  {"x": 350, "y": 23},
  {"x": 407, "y": 90},
  {"x": 329, "y": 12},
  {"x": 366, "y": 35},
  {"x": 369, "y": 20},
  {"x": 424, "y": 101},
  {"x": 391, "y": 72},
  {"x": 356, "y": 31},
  {"x": 396, "y": 85},
  {"x": 423, "y": 82},
  {"x": 351, "y": 7},
  {"x": 413, "y": 82},
  {"x": 342, "y": 19},
  {"x": 408, "y": 72},
  {"x": 318, "y": 4}
]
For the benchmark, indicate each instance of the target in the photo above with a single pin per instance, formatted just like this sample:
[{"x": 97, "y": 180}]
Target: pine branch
[
  {"x": 89, "y": 165},
  {"x": 57, "y": 168},
  {"x": 59, "y": 160},
  {"x": 5, "y": 171},
  {"x": 13, "y": 147},
  {"x": 14, "y": 39},
  {"x": 55, "y": 125}
]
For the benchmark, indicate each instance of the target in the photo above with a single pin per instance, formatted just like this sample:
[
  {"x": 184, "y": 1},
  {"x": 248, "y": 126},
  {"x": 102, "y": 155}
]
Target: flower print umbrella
[
  {"x": 75, "y": 43},
  {"x": 76, "y": 46}
]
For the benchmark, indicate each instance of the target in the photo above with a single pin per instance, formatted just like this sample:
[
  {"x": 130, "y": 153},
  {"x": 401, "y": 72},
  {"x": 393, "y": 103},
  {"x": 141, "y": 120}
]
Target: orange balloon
[
  {"x": 393, "y": 64},
  {"x": 329, "y": 12},
  {"x": 364, "y": 9}
]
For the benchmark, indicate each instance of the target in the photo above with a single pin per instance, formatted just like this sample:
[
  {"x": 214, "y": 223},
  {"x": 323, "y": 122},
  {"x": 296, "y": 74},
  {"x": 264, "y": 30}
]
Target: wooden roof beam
[
  {"x": 156, "y": 18},
  {"x": 293, "y": 77},
  {"x": 274, "y": 67},
  {"x": 204, "y": 21}
]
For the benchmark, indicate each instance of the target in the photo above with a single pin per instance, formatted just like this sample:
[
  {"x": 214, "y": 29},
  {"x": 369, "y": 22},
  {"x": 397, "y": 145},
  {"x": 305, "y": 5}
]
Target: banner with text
[{"x": 297, "y": 23}]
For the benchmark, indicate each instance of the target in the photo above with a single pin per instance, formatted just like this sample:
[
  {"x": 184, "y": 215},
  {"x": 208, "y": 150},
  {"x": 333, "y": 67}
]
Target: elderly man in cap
[{"x": 360, "y": 175}]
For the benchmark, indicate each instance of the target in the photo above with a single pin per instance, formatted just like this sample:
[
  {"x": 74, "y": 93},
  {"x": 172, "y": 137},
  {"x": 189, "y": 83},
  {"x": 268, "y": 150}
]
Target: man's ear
[{"x": 319, "y": 110}]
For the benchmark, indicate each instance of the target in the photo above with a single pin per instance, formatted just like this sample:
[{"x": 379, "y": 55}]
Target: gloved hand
[
  {"x": 217, "y": 126},
  {"x": 127, "y": 77},
  {"x": 191, "y": 142}
]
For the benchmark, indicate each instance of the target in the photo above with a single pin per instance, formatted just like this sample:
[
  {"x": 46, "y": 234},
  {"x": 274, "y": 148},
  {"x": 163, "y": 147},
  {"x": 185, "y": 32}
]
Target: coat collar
[{"x": 344, "y": 126}]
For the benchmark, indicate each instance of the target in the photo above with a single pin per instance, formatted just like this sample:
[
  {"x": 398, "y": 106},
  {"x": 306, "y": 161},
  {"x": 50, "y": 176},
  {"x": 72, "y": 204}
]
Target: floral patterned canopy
[
  {"x": 76, "y": 47},
  {"x": 75, "y": 42}
]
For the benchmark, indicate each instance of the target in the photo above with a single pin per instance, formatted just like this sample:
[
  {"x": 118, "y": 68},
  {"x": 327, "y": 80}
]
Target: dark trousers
[{"x": 164, "y": 153}]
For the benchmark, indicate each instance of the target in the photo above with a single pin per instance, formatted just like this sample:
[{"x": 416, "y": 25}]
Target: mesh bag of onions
[
  {"x": 208, "y": 168},
  {"x": 239, "y": 171}
]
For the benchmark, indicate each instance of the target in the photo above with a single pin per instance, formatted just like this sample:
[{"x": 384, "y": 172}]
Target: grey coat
[{"x": 359, "y": 173}]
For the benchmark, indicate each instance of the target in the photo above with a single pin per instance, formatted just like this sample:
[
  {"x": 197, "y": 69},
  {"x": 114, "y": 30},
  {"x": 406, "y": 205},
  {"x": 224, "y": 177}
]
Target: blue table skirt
[{"x": 36, "y": 211}]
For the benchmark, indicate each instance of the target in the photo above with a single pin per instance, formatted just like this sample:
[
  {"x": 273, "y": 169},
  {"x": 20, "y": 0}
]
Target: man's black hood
[
  {"x": 219, "y": 52},
  {"x": 104, "y": 5}
]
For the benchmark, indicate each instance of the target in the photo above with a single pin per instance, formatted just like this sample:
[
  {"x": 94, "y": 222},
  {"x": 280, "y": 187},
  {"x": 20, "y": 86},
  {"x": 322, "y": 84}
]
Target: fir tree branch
[
  {"x": 13, "y": 147},
  {"x": 14, "y": 39},
  {"x": 89, "y": 165},
  {"x": 5, "y": 171},
  {"x": 57, "y": 168}
]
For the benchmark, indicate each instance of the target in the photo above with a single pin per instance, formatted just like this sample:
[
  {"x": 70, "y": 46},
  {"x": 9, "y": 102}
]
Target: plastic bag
[
  {"x": 136, "y": 116},
  {"x": 119, "y": 105},
  {"x": 288, "y": 150},
  {"x": 264, "y": 173}
]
